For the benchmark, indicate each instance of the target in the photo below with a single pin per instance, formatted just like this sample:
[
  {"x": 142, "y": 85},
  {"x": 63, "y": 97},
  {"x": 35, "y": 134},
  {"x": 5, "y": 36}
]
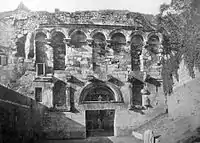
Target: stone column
[
  {"x": 51, "y": 95},
  {"x": 130, "y": 88},
  {"x": 68, "y": 97},
  {"x": 34, "y": 48},
  {"x": 27, "y": 44},
  {"x": 91, "y": 44},
  {"x": 142, "y": 60},
  {"x": 68, "y": 51},
  {"x": 135, "y": 57},
  {"x": 50, "y": 62},
  {"x": 142, "y": 63}
]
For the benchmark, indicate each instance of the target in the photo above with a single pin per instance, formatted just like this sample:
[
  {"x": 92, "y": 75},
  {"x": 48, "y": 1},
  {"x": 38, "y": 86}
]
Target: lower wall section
[{"x": 64, "y": 125}]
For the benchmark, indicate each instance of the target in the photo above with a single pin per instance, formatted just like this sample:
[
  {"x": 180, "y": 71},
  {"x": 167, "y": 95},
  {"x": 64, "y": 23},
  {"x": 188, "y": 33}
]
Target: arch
[
  {"x": 156, "y": 36},
  {"x": 94, "y": 32},
  {"x": 40, "y": 35},
  {"x": 44, "y": 31},
  {"x": 119, "y": 37},
  {"x": 59, "y": 50},
  {"x": 122, "y": 31},
  {"x": 40, "y": 47},
  {"x": 99, "y": 36},
  {"x": 115, "y": 92},
  {"x": 75, "y": 31},
  {"x": 138, "y": 32},
  {"x": 58, "y": 36},
  {"x": 118, "y": 40},
  {"x": 137, "y": 39},
  {"x": 58, "y": 29},
  {"x": 78, "y": 38}
]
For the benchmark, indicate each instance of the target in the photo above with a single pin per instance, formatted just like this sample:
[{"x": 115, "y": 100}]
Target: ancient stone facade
[
  {"x": 90, "y": 68},
  {"x": 84, "y": 67}
]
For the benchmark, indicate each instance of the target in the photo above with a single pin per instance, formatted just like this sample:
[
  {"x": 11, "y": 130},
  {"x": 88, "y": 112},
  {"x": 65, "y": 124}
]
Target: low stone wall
[
  {"x": 20, "y": 116},
  {"x": 65, "y": 125}
]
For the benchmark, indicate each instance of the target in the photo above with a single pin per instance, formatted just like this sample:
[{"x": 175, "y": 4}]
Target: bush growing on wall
[{"x": 17, "y": 72}]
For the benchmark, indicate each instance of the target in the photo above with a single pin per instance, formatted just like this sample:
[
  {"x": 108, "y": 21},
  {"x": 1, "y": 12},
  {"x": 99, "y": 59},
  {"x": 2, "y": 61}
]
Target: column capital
[
  {"x": 90, "y": 42},
  {"x": 108, "y": 40},
  {"x": 66, "y": 40}
]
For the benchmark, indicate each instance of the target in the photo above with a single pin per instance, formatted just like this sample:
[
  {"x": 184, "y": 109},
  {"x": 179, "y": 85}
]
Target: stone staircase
[
  {"x": 171, "y": 131},
  {"x": 153, "y": 124}
]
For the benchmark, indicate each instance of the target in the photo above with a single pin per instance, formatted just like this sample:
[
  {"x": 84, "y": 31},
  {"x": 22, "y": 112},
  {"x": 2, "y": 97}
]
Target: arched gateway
[
  {"x": 100, "y": 92},
  {"x": 100, "y": 118}
]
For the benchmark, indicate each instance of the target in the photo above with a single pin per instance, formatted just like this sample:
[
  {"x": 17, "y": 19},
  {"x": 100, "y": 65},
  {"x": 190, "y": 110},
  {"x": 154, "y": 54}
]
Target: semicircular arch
[
  {"x": 138, "y": 32},
  {"x": 40, "y": 31},
  {"x": 122, "y": 31},
  {"x": 116, "y": 93},
  {"x": 56, "y": 30},
  {"x": 96, "y": 31},
  {"x": 156, "y": 35},
  {"x": 75, "y": 31}
]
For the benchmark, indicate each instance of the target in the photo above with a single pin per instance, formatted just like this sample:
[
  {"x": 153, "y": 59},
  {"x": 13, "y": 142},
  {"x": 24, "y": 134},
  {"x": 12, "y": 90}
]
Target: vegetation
[
  {"x": 181, "y": 41},
  {"x": 18, "y": 71}
]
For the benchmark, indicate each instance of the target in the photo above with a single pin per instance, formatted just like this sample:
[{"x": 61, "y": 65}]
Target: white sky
[{"x": 143, "y": 6}]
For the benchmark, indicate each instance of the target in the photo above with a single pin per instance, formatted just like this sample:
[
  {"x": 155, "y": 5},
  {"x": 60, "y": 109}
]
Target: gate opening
[{"x": 100, "y": 123}]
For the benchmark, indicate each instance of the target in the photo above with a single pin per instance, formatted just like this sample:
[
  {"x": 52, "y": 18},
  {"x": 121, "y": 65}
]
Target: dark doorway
[
  {"x": 59, "y": 94},
  {"x": 100, "y": 123}
]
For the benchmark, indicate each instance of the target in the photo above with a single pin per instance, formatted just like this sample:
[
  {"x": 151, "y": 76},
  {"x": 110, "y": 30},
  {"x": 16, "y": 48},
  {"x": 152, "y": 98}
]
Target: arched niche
[
  {"x": 99, "y": 44},
  {"x": 78, "y": 38},
  {"x": 94, "y": 32},
  {"x": 40, "y": 48},
  {"x": 118, "y": 40},
  {"x": 58, "y": 29},
  {"x": 153, "y": 43},
  {"x": 136, "y": 50},
  {"x": 98, "y": 52},
  {"x": 20, "y": 44},
  {"x": 40, "y": 30},
  {"x": 98, "y": 37},
  {"x": 59, "y": 50},
  {"x": 122, "y": 31},
  {"x": 100, "y": 92},
  {"x": 153, "y": 39},
  {"x": 137, "y": 40}
]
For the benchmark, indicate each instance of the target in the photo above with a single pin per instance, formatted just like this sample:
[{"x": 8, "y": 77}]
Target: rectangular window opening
[
  {"x": 38, "y": 94},
  {"x": 40, "y": 69},
  {"x": 0, "y": 60}
]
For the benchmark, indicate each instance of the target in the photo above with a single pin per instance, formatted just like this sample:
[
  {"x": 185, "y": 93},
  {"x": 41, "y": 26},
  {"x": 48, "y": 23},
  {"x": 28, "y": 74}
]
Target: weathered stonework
[{"x": 92, "y": 61}]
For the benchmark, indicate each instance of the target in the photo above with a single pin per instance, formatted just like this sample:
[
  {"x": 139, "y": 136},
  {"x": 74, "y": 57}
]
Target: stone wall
[
  {"x": 73, "y": 124},
  {"x": 113, "y": 67},
  {"x": 21, "y": 117},
  {"x": 185, "y": 99},
  {"x": 17, "y": 27}
]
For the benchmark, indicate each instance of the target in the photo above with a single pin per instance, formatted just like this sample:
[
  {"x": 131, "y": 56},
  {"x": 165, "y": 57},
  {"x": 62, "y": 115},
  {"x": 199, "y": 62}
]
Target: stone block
[{"x": 137, "y": 135}]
